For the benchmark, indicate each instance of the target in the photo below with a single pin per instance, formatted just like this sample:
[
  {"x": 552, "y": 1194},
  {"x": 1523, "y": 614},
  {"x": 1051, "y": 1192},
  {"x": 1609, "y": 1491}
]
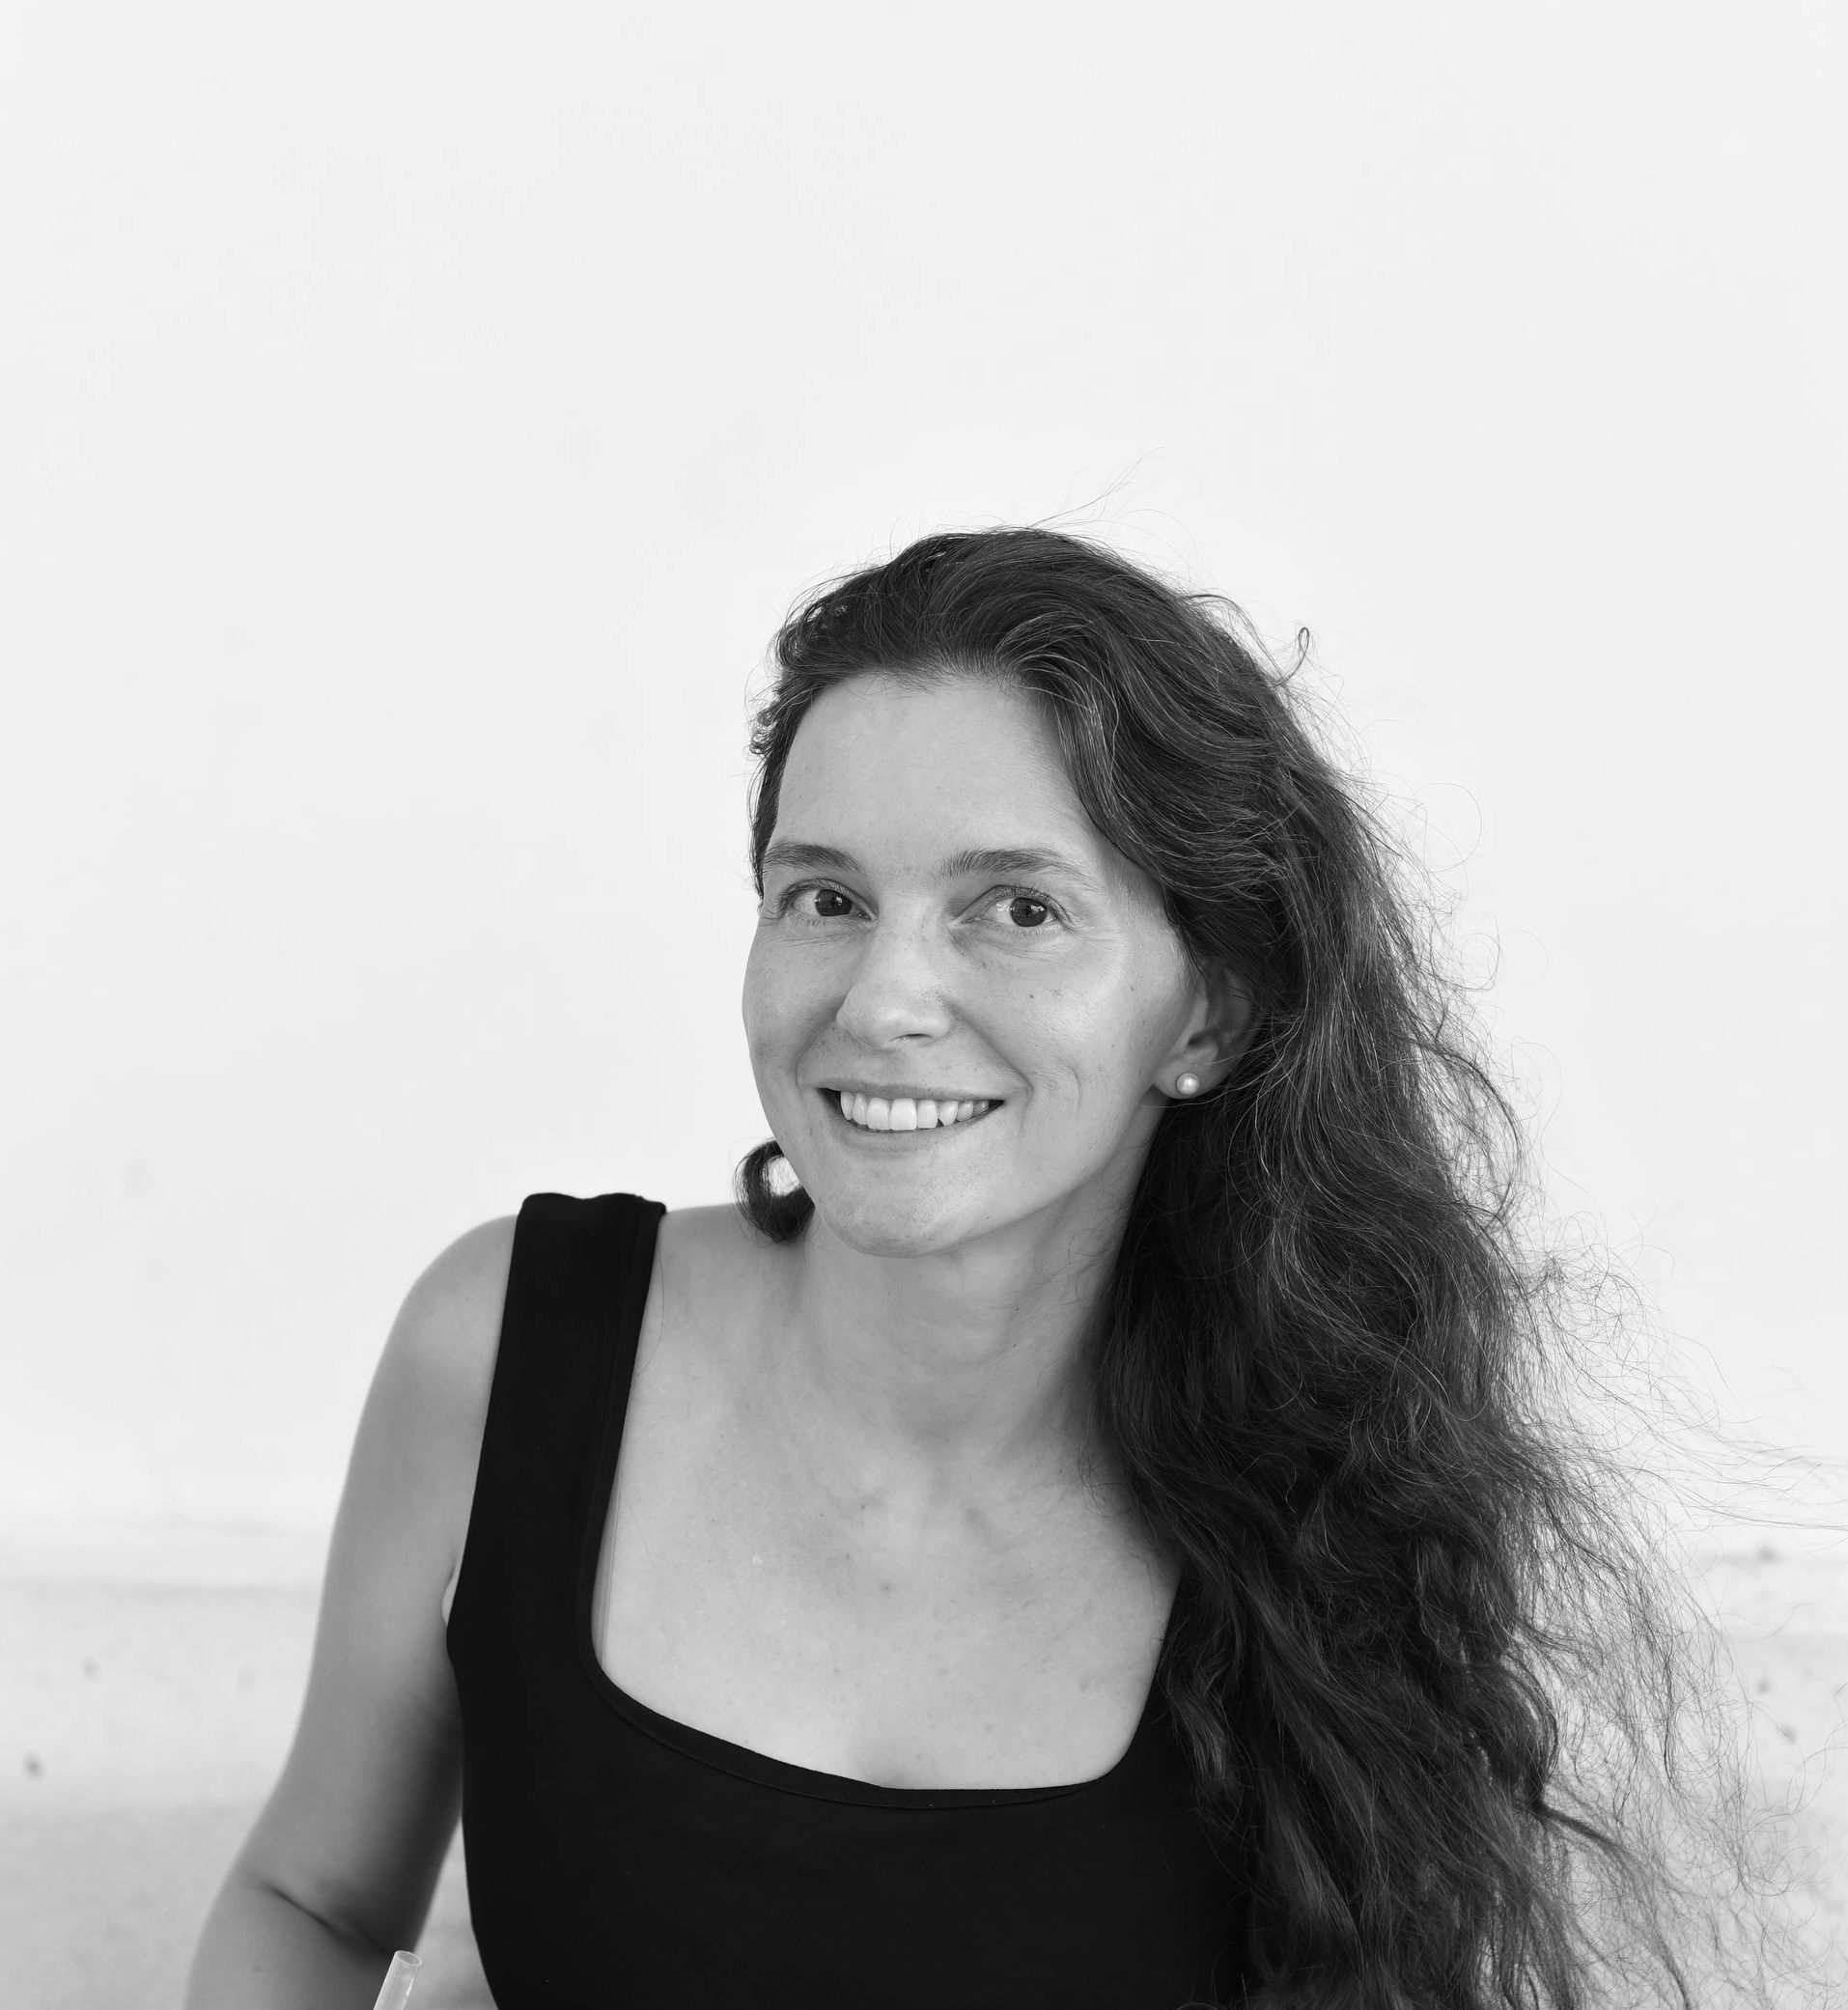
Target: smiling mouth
[{"x": 904, "y": 1113}]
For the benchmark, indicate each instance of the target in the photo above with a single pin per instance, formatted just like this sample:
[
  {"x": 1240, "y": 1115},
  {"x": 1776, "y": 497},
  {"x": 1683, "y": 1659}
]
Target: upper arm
[{"x": 357, "y": 1826}]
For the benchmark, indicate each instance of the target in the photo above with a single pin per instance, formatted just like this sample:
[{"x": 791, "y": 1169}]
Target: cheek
[
  {"x": 1073, "y": 1049},
  {"x": 761, "y": 1012},
  {"x": 783, "y": 1000},
  {"x": 1095, "y": 1046}
]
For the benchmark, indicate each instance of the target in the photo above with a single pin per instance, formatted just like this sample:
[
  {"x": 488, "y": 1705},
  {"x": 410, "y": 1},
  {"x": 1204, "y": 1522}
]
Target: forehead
[{"x": 880, "y": 761}]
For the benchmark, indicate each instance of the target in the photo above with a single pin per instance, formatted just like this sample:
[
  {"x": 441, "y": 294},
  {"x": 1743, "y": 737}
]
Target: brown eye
[
  {"x": 1027, "y": 912},
  {"x": 824, "y": 912}
]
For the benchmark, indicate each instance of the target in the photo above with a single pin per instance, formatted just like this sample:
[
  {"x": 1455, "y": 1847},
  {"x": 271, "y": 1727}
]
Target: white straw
[{"x": 399, "y": 1978}]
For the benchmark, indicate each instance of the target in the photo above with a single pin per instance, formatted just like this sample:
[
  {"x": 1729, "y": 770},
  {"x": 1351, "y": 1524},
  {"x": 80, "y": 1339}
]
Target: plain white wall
[{"x": 417, "y": 418}]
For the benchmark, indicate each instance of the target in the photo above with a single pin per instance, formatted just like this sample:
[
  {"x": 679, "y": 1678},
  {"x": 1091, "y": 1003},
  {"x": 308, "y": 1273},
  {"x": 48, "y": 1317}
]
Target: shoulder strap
[{"x": 575, "y": 1289}]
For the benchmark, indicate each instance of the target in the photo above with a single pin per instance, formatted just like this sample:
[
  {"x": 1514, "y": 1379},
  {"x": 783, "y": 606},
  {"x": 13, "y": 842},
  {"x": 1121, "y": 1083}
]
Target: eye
[
  {"x": 1020, "y": 910},
  {"x": 813, "y": 901}
]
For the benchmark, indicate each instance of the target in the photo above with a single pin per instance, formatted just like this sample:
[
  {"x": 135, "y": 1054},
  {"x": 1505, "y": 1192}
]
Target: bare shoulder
[
  {"x": 429, "y": 1396},
  {"x": 448, "y": 1331}
]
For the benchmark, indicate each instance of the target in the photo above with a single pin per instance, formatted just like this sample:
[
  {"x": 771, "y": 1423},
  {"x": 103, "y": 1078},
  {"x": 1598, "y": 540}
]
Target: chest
[{"x": 728, "y": 1596}]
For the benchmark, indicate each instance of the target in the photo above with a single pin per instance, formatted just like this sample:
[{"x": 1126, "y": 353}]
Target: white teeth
[{"x": 905, "y": 1112}]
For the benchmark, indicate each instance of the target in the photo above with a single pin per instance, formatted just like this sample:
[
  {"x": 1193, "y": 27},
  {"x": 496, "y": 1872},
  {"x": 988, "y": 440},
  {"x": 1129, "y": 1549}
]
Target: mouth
[{"x": 906, "y": 1115}]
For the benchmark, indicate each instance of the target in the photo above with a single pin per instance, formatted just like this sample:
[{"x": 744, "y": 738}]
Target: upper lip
[{"x": 894, "y": 1092}]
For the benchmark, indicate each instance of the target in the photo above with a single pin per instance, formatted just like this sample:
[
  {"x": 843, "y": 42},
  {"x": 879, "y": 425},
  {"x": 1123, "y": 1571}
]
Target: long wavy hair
[{"x": 1435, "y": 1683}]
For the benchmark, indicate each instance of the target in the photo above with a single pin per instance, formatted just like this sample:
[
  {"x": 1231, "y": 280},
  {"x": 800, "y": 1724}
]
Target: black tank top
[{"x": 620, "y": 1860}]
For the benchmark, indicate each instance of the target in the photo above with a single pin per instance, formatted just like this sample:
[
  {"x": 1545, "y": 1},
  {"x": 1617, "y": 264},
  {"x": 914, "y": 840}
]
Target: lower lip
[{"x": 901, "y": 1139}]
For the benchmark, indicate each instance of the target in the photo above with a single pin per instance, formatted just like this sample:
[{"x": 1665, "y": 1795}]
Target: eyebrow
[{"x": 794, "y": 856}]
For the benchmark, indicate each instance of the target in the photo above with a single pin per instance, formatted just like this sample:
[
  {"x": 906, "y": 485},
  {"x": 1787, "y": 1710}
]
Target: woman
[{"x": 1086, "y": 1531}]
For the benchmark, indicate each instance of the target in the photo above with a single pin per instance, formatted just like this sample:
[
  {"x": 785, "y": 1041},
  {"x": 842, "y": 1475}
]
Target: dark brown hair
[{"x": 1423, "y": 1663}]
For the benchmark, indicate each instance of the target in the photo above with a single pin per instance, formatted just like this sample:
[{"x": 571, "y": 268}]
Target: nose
[{"x": 897, "y": 990}]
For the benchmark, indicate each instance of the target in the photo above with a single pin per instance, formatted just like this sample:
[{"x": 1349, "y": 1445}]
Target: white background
[{"x": 415, "y": 420}]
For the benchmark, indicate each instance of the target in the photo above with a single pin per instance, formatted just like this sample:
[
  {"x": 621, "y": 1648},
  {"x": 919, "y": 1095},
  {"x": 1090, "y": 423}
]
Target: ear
[{"x": 1218, "y": 1029}]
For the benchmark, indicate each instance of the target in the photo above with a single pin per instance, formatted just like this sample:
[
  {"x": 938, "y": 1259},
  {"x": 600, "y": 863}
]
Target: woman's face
[{"x": 941, "y": 924}]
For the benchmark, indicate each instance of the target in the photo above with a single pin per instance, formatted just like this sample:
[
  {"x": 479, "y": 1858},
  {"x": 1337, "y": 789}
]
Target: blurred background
[{"x": 417, "y": 419}]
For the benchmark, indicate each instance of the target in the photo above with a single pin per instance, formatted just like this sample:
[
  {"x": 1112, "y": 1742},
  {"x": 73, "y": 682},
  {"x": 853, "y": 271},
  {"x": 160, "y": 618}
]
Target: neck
[{"x": 920, "y": 1386}]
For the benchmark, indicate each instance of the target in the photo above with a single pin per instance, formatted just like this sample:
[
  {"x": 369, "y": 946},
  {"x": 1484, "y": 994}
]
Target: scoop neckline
[{"x": 706, "y": 1746}]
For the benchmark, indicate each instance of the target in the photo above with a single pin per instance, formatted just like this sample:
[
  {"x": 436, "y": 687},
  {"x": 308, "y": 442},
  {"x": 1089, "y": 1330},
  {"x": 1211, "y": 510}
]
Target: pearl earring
[{"x": 1187, "y": 1084}]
